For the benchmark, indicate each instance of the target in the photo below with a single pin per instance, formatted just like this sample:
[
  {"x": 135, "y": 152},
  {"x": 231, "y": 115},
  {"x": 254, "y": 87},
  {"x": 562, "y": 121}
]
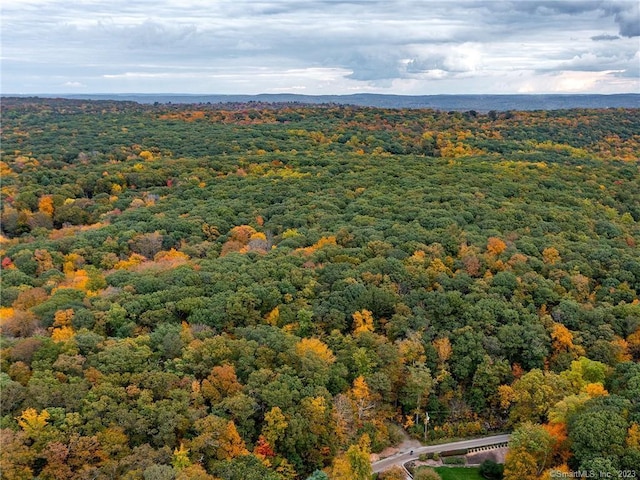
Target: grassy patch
[{"x": 459, "y": 473}]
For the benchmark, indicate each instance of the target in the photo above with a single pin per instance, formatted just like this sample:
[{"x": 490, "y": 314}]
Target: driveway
[{"x": 404, "y": 456}]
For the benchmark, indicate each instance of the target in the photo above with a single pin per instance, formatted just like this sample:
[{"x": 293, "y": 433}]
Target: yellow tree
[
  {"x": 146, "y": 155},
  {"x": 232, "y": 445},
  {"x": 43, "y": 259},
  {"x": 217, "y": 439},
  {"x": 354, "y": 464},
  {"x": 285, "y": 469},
  {"x": 172, "y": 256},
  {"x": 533, "y": 395},
  {"x": 633, "y": 436},
  {"x": 358, "y": 456},
  {"x": 530, "y": 452},
  {"x": 362, "y": 399},
  {"x": 520, "y": 465},
  {"x": 562, "y": 343},
  {"x": 45, "y": 205},
  {"x": 443, "y": 349},
  {"x": 316, "y": 412},
  {"x": 33, "y": 423},
  {"x": 561, "y": 338},
  {"x": 272, "y": 317},
  {"x": 495, "y": 246},
  {"x": 222, "y": 382},
  {"x": 621, "y": 349},
  {"x": 315, "y": 347},
  {"x": 412, "y": 349},
  {"x": 275, "y": 424},
  {"x": 180, "y": 458},
  {"x": 194, "y": 472},
  {"x": 435, "y": 268},
  {"x": 362, "y": 322},
  {"x": 550, "y": 256},
  {"x": 62, "y": 329},
  {"x": 341, "y": 470},
  {"x": 633, "y": 341},
  {"x": 595, "y": 390}
]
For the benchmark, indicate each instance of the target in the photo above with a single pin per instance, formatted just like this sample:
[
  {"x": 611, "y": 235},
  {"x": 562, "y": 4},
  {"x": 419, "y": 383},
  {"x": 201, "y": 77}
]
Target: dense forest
[{"x": 273, "y": 291}]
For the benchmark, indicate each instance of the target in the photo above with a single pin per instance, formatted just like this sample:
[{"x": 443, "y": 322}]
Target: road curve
[{"x": 401, "y": 458}]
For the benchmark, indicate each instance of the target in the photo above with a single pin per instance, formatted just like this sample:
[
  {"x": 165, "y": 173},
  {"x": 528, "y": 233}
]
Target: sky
[{"x": 312, "y": 47}]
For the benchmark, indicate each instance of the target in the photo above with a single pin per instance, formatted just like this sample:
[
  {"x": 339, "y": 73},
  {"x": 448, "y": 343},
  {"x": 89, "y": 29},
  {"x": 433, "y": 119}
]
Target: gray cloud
[
  {"x": 411, "y": 46},
  {"x": 552, "y": 7},
  {"x": 375, "y": 66},
  {"x": 626, "y": 14},
  {"x": 603, "y": 38},
  {"x": 591, "y": 62},
  {"x": 628, "y": 17}
]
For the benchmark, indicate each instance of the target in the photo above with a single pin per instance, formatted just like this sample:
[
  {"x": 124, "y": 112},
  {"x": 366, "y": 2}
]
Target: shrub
[
  {"x": 491, "y": 470},
  {"x": 454, "y": 460},
  {"x": 426, "y": 473},
  {"x": 454, "y": 453},
  {"x": 394, "y": 473}
]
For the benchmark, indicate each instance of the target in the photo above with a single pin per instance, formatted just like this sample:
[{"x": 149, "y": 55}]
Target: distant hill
[{"x": 480, "y": 103}]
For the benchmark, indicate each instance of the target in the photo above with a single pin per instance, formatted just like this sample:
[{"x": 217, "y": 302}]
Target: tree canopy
[{"x": 273, "y": 291}]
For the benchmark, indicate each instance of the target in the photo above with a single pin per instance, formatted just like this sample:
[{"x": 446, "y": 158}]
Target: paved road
[{"x": 402, "y": 457}]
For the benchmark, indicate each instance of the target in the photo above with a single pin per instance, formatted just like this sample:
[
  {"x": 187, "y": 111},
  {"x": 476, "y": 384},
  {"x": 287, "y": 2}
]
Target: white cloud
[{"x": 578, "y": 82}]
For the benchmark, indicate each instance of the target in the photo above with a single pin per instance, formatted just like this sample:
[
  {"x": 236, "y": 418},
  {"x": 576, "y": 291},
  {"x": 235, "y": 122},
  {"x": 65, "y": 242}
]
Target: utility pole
[{"x": 426, "y": 423}]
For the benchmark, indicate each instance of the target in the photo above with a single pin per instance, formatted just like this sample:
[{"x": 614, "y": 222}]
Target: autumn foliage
[
  {"x": 276, "y": 291},
  {"x": 495, "y": 246},
  {"x": 363, "y": 322}
]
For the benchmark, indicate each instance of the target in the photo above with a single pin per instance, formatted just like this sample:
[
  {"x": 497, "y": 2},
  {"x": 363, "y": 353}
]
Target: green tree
[
  {"x": 604, "y": 466},
  {"x": 417, "y": 388},
  {"x": 599, "y": 430}
]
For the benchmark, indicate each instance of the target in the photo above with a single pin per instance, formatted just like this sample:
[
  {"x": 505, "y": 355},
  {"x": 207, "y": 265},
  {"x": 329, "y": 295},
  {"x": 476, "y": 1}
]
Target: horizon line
[{"x": 2, "y": 94}]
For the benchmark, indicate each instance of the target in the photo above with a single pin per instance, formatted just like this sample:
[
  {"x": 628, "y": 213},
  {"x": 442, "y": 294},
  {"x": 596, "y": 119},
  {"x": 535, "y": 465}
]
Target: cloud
[
  {"x": 553, "y": 7},
  {"x": 627, "y": 16},
  {"x": 373, "y": 66},
  {"x": 604, "y": 37},
  {"x": 578, "y": 81},
  {"x": 408, "y": 46},
  {"x": 73, "y": 84},
  {"x": 625, "y": 13},
  {"x": 152, "y": 35},
  {"x": 620, "y": 59},
  {"x": 592, "y": 62},
  {"x": 570, "y": 82}
]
